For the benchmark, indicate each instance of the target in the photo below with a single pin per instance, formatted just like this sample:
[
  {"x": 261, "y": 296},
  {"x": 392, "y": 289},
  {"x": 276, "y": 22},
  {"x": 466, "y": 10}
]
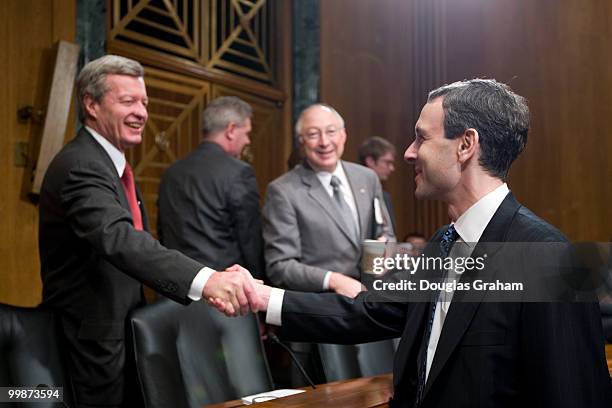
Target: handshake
[{"x": 234, "y": 292}]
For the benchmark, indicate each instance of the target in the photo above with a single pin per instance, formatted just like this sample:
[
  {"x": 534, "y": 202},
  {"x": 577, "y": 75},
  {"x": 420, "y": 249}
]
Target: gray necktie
[{"x": 343, "y": 207}]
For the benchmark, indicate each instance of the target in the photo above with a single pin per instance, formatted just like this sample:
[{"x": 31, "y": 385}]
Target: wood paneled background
[
  {"x": 379, "y": 59},
  {"x": 192, "y": 50},
  {"x": 28, "y": 31}
]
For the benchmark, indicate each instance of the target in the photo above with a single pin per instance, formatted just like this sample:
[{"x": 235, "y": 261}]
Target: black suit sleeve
[
  {"x": 332, "y": 318},
  {"x": 90, "y": 199},
  {"x": 244, "y": 207}
]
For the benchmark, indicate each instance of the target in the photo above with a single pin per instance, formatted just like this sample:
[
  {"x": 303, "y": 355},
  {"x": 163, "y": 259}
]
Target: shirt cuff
[
  {"x": 197, "y": 286},
  {"x": 275, "y": 307},
  {"x": 326, "y": 280}
]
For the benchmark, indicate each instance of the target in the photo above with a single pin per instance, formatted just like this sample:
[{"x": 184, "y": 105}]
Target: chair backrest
[
  {"x": 29, "y": 350},
  {"x": 189, "y": 356},
  {"x": 343, "y": 362},
  {"x": 606, "y": 320}
]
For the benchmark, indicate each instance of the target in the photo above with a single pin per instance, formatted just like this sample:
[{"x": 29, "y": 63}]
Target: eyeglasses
[{"x": 314, "y": 134}]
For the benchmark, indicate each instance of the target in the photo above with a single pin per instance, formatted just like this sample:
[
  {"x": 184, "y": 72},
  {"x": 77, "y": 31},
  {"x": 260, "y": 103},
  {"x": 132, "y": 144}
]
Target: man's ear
[
  {"x": 229, "y": 131},
  {"x": 90, "y": 106},
  {"x": 469, "y": 144},
  {"x": 370, "y": 162}
]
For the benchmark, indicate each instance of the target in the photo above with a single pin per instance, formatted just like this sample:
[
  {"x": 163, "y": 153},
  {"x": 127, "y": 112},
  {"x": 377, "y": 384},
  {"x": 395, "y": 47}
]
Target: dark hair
[
  {"x": 500, "y": 116},
  {"x": 374, "y": 147}
]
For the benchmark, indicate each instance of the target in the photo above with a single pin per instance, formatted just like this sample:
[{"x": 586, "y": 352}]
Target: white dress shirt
[
  {"x": 118, "y": 159},
  {"x": 470, "y": 226}
]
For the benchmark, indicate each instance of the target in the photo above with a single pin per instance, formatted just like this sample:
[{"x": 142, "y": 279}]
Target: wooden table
[{"x": 367, "y": 392}]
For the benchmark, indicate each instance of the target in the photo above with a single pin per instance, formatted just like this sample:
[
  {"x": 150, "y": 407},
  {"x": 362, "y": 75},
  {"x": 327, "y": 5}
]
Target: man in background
[
  {"x": 379, "y": 155},
  {"x": 317, "y": 214},
  {"x": 315, "y": 219},
  {"x": 95, "y": 251},
  {"x": 208, "y": 201},
  {"x": 417, "y": 242}
]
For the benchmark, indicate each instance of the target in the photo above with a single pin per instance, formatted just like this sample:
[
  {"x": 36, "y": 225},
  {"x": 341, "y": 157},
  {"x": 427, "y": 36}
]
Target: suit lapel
[
  {"x": 363, "y": 200},
  {"x": 408, "y": 355},
  {"x": 318, "y": 193},
  {"x": 461, "y": 313},
  {"x": 88, "y": 139}
]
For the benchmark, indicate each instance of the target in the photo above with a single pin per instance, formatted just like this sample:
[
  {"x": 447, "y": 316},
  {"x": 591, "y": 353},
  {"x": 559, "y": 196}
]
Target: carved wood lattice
[
  {"x": 172, "y": 131},
  {"x": 236, "y": 37}
]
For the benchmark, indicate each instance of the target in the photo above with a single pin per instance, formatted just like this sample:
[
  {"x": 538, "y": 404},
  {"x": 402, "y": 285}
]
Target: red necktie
[{"x": 130, "y": 191}]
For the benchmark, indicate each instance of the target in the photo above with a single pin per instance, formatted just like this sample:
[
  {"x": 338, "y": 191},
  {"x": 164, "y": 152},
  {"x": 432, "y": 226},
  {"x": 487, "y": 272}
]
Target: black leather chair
[
  {"x": 343, "y": 362},
  {"x": 29, "y": 351},
  {"x": 606, "y": 321},
  {"x": 190, "y": 356}
]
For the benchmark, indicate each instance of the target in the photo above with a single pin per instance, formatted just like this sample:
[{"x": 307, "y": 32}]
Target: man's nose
[
  {"x": 323, "y": 139},
  {"x": 410, "y": 154},
  {"x": 141, "y": 111}
]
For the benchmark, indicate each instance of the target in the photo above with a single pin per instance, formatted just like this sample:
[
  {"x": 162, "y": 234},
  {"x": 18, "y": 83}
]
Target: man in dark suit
[
  {"x": 94, "y": 248},
  {"x": 455, "y": 353},
  {"x": 208, "y": 202},
  {"x": 379, "y": 155}
]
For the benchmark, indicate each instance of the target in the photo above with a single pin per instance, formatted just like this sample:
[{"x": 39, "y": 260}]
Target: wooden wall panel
[
  {"x": 375, "y": 69},
  {"x": 379, "y": 62},
  {"x": 29, "y": 29},
  {"x": 172, "y": 131}
]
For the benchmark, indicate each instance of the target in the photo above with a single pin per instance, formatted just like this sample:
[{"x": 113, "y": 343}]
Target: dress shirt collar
[
  {"x": 325, "y": 177},
  {"x": 116, "y": 155},
  {"x": 472, "y": 223}
]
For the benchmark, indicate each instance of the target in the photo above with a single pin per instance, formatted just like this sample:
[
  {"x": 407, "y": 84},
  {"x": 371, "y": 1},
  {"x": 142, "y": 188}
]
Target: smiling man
[
  {"x": 458, "y": 351},
  {"x": 94, "y": 248},
  {"x": 317, "y": 214}
]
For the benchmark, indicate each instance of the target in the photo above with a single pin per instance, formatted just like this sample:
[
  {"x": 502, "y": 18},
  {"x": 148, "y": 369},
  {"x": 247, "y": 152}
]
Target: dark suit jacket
[
  {"x": 93, "y": 262},
  {"x": 209, "y": 210},
  {"x": 489, "y": 354}
]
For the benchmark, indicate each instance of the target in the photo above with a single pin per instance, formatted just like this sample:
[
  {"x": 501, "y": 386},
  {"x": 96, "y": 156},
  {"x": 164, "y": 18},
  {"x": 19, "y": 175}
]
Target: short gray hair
[
  {"x": 92, "y": 78},
  {"x": 298, "y": 123},
  {"x": 222, "y": 111}
]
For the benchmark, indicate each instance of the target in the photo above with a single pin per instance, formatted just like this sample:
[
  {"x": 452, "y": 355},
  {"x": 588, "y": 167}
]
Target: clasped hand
[{"x": 233, "y": 292}]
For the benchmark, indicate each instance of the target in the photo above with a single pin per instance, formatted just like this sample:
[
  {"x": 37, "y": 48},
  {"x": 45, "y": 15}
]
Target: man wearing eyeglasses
[
  {"x": 379, "y": 155},
  {"x": 316, "y": 215}
]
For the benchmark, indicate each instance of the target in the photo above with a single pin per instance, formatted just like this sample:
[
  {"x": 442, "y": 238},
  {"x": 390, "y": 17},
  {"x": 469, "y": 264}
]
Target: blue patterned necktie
[{"x": 446, "y": 243}]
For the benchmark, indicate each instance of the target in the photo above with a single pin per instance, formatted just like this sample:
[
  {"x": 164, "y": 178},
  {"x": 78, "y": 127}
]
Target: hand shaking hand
[{"x": 232, "y": 292}]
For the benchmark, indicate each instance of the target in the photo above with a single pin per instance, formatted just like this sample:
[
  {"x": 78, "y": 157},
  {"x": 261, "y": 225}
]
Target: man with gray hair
[
  {"x": 317, "y": 215},
  {"x": 208, "y": 201},
  {"x": 95, "y": 251}
]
